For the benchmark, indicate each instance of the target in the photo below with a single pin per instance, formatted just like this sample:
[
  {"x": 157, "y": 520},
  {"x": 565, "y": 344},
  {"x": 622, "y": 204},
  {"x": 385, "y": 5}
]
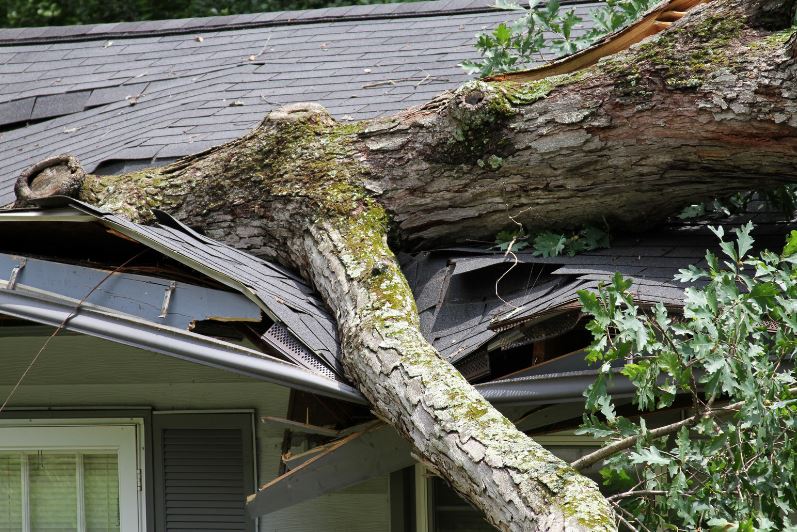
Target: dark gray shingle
[
  {"x": 14, "y": 112},
  {"x": 60, "y": 104}
]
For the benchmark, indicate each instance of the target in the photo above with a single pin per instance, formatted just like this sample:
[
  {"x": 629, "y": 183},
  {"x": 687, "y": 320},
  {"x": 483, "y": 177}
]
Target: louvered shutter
[{"x": 206, "y": 472}]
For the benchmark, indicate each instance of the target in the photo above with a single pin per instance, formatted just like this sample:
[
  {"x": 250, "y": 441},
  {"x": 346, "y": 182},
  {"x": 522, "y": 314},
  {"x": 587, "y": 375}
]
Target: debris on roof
[
  {"x": 491, "y": 316},
  {"x": 657, "y": 19}
]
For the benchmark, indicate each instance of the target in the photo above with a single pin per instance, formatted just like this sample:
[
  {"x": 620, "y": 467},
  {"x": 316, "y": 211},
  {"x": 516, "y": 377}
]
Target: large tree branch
[
  {"x": 626, "y": 443},
  {"x": 703, "y": 108},
  {"x": 708, "y": 106},
  {"x": 291, "y": 190}
]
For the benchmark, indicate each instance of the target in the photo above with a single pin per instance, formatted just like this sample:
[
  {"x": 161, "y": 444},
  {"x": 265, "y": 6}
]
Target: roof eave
[{"x": 174, "y": 342}]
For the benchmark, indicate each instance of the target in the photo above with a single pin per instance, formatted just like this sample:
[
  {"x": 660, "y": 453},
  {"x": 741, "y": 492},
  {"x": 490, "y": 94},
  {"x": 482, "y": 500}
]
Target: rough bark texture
[{"x": 708, "y": 105}]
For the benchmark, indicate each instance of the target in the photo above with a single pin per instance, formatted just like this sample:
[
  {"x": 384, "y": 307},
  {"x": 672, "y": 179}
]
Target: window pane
[
  {"x": 101, "y": 492},
  {"x": 10, "y": 493},
  {"x": 53, "y": 498},
  {"x": 453, "y": 514}
]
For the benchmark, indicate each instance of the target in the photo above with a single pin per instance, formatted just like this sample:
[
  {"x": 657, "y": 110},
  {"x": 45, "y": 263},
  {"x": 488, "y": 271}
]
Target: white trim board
[{"x": 124, "y": 437}]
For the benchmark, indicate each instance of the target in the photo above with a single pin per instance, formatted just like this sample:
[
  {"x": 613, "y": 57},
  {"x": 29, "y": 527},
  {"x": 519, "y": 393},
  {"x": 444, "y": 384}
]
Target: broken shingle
[{"x": 59, "y": 104}]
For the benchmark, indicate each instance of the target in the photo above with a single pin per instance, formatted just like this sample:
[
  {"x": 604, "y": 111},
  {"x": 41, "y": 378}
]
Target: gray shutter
[{"x": 205, "y": 472}]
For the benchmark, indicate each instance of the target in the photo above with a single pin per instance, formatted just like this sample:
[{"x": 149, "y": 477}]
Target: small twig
[
  {"x": 61, "y": 327},
  {"x": 515, "y": 262},
  {"x": 623, "y": 520},
  {"x": 379, "y": 84},
  {"x": 262, "y": 50},
  {"x": 632, "y": 493},
  {"x": 626, "y": 523},
  {"x": 420, "y": 81}
]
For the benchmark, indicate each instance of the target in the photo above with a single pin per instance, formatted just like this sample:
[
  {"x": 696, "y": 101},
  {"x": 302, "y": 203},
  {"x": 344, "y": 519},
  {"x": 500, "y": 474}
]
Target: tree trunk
[{"x": 706, "y": 107}]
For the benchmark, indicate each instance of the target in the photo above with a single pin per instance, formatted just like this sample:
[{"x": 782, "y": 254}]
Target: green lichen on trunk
[
  {"x": 477, "y": 114},
  {"x": 308, "y": 159},
  {"x": 132, "y": 195},
  {"x": 526, "y": 93},
  {"x": 682, "y": 58},
  {"x": 773, "y": 41}
]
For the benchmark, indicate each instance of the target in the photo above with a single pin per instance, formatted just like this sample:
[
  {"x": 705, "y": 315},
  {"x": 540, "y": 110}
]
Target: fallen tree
[{"x": 706, "y": 107}]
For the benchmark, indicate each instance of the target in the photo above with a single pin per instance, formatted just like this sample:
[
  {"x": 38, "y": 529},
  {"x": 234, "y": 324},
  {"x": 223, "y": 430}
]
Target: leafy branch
[
  {"x": 520, "y": 44},
  {"x": 732, "y": 463},
  {"x": 552, "y": 244}
]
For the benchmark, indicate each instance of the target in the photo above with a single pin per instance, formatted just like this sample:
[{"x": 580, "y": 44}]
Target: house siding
[{"x": 81, "y": 372}]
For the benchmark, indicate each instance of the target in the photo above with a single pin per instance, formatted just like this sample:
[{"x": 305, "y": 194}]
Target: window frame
[{"x": 125, "y": 436}]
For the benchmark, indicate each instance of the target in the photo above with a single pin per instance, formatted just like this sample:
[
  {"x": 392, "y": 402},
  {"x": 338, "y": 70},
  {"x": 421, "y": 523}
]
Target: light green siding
[{"x": 77, "y": 371}]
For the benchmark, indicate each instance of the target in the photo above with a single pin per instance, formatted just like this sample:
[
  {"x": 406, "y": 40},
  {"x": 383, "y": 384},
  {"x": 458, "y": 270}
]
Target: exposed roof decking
[{"x": 189, "y": 94}]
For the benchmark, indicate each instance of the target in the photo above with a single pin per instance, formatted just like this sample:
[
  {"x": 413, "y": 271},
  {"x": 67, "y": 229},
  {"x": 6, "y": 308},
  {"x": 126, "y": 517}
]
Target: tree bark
[{"x": 707, "y": 106}]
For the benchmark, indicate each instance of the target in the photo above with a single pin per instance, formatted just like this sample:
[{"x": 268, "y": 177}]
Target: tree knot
[
  {"x": 301, "y": 112},
  {"x": 473, "y": 97},
  {"x": 56, "y": 176},
  {"x": 471, "y": 124}
]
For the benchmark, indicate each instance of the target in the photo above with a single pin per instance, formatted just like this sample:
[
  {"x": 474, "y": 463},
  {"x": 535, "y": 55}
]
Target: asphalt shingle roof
[
  {"x": 467, "y": 297},
  {"x": 148, "y": 92}
]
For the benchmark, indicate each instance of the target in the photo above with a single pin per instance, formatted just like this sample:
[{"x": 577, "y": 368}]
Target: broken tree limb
[
  {"x": 706, "y": 107},
  {"x": 628, "y": 442}
]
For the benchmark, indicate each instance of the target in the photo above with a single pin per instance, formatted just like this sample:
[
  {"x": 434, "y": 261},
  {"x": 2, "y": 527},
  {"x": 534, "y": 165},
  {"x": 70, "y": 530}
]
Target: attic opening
[
  {"x": 504, "y": 297},
  {"x": 93, "y": 245}
]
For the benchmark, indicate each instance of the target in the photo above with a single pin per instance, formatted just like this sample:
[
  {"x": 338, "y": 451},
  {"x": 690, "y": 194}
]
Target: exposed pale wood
[
  {"x": 292, "y": 461},
  {"x": 671, "y": 16},
  {"x": 648, "y": 25},
  {"x": 375, "y": 451},
  {"x": 296, "y": 426}
]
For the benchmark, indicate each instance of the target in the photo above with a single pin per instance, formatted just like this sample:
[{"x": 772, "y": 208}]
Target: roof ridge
[
  {"x": 363, "y": 12},
  {"x": 50, "y": 34}
]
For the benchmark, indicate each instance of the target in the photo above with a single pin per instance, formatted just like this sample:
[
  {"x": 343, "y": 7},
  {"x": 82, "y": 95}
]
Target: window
[
  {"x": 441, "y": 509},
  {"x": 69, "y": 479},
  {"x": 452, "y": 513}
]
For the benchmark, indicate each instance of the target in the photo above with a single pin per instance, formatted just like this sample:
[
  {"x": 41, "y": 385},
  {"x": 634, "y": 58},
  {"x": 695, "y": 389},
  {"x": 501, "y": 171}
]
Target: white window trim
[
  {"x": 124, "y": 436},
  {"x": 422, "y": 515}
]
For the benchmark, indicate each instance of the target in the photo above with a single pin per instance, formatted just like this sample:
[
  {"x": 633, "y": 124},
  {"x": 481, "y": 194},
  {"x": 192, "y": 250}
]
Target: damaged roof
[
  {"x": 128, "y": 95},
  {"x": 474, "y": 301},
  {"x": 297, "y": 327}
]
